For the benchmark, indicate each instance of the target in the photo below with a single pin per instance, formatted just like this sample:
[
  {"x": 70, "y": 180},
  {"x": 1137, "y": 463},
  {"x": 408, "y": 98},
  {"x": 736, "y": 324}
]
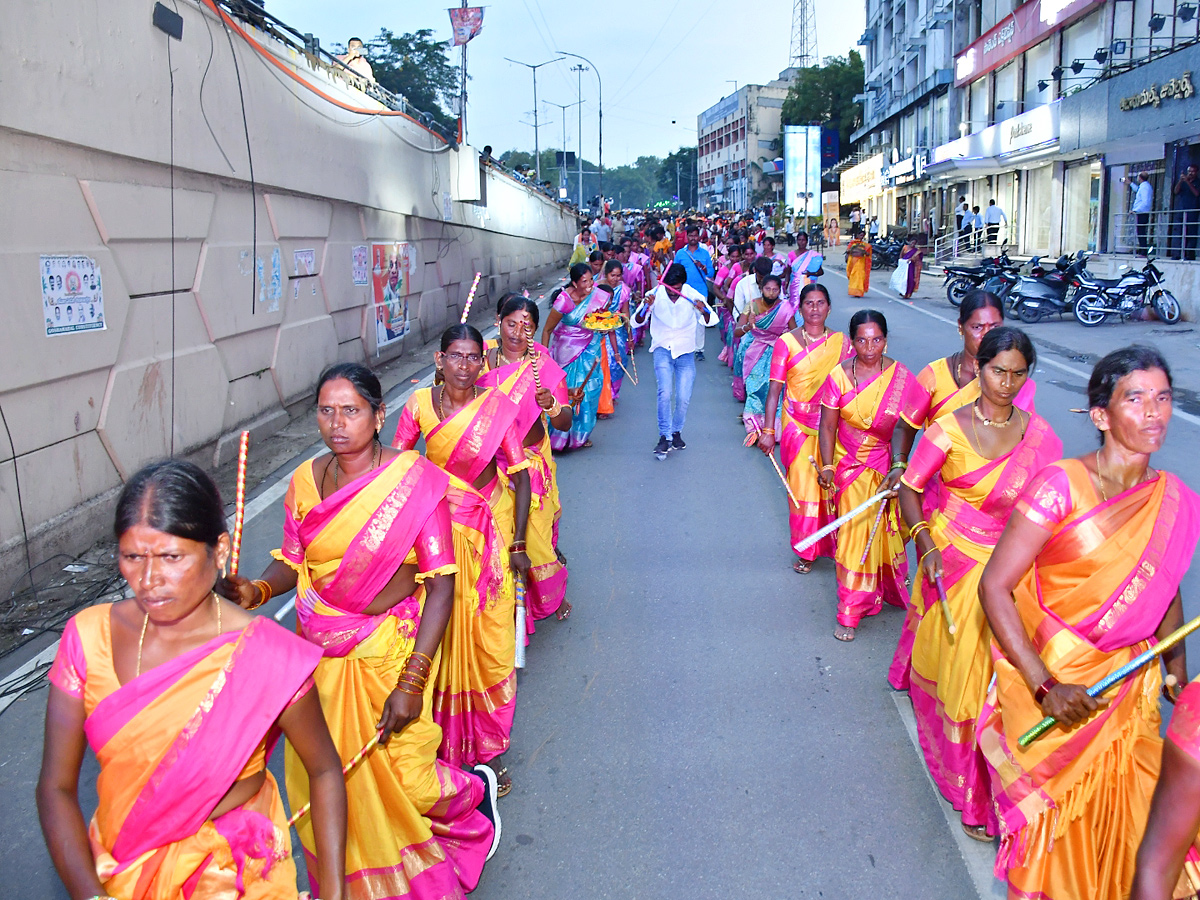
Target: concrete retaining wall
[{"x": 196, "y": 345}]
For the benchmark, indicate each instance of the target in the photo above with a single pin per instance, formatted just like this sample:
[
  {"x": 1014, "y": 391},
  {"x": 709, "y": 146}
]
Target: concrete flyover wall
[{"x": 196, "y": 345}]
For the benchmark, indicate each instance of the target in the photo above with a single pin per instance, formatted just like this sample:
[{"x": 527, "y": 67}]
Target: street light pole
[
  {"x": 537, "y": 150},
  {"x": 600, "y": 85},
  {"x": 579, "y": 70},
  {"x": 562, "y": 169}
]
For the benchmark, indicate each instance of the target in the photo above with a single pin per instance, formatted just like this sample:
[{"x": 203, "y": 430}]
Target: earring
[{"x": 960, "y": 331}]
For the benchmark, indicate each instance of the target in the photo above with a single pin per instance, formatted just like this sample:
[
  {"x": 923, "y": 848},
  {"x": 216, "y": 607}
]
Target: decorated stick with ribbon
[
  {"x": 519, "y": 658},
  {"x": 533, "y": 355},
  {"x": 470, "y": 299},
  {"x": 787, "y": 487},
  {"x": 239, "y": 503},
  {"x": 1118, "y": 676},
  {"x": 358, "y": 757},
  {"x": 839, "y": 522},
  {"x": 871, "y": 536},
  {"x": 827, "y": 495},
  {"x": 944, "y": 602}
]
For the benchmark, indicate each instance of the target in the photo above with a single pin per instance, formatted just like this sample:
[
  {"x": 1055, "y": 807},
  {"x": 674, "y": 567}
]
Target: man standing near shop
[
  {"x": 698, "y": 264},
  {"x": 1143, "y": 202},
  {"x": 1187, "y": 202},
  {"x": 992, "y": 218}
]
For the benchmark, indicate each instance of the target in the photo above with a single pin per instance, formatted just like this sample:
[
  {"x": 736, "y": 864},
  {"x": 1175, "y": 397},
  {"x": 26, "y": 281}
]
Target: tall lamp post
[
  {"x": 537, "y": 150},
  {"x": 562, "y": 169},
  {"x": 600, "y": 84}
]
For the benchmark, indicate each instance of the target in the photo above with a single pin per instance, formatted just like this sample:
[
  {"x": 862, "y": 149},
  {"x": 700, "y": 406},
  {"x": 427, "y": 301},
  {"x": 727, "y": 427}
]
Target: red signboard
[{"x": 1027, "y": 25}]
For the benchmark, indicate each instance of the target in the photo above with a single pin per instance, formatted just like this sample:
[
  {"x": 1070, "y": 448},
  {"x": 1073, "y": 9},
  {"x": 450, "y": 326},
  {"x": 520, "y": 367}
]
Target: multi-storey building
[
  {"x": 908, "y": 107},
  {"x": 738, "y": 142}
]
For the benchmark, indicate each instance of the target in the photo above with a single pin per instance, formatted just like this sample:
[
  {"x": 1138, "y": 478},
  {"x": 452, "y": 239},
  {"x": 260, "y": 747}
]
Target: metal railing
[
  {"x": 1174, "y": 233},
  {"x": 319, "y": 58},
  {"x": 951, "y": 244}
]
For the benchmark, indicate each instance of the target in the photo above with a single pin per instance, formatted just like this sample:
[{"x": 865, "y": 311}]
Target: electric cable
[{"x": 250, "y": 157}]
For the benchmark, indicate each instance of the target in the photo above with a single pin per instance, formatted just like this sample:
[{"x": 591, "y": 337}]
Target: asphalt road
[{"x": 694, "y": 730}]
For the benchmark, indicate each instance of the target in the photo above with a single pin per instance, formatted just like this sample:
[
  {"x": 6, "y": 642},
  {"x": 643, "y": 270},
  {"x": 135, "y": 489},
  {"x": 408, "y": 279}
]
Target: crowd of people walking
[{"x": 419, "y": 580}]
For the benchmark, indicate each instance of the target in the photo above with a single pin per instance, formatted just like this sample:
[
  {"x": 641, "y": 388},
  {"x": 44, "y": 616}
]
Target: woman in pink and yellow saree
[
  {"x": 473, "y": 435},
  {"x": 511, "y": 367},
  {"x": 182, "y": 696},
  {"x": 801, "y": 361},
  {"x": 984, "y": 453},
  {"x": 1085, "y": 577},
  {"x": 861, "y": 404},
  {"x": 369, "y": 547}
]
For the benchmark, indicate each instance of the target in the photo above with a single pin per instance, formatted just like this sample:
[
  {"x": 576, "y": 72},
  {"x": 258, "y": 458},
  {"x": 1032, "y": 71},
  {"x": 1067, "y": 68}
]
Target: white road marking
[
  {"x": 977, "y": 856},
  {"x": 1044, "y": 359}
]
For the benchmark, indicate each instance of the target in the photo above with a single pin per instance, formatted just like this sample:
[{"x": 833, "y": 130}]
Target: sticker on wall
[
  {"x": 72, "y": 295},
  {"x": 447, "y": 206},
  {"x": 360, "y": 264},
  {"x": 304, "y": 264},
  {"x": 269, "y": 293},
  {"x": 391, "y": 282}
]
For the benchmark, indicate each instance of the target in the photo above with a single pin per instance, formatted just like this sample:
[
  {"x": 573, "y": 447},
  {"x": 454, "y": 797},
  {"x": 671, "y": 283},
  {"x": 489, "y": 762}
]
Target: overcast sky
[{"x": 662, "y": 61}]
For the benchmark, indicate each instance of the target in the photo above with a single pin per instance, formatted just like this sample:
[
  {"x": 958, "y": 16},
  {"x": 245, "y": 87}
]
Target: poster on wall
[
  {"x": 391, "y": 281},
  {"x": 360, "y": 264},
  {"x": 831, "y": 212},
  {"x": 303, "y": 264},
  {"x": 72, "y": 295}
]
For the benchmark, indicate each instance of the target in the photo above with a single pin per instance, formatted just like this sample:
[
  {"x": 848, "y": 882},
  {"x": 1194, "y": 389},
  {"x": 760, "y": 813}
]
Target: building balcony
[{"x": 898, "y": 103}]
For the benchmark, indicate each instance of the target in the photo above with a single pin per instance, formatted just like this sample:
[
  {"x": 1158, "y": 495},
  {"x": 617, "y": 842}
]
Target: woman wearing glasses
[{"x": 472, "y": 433}]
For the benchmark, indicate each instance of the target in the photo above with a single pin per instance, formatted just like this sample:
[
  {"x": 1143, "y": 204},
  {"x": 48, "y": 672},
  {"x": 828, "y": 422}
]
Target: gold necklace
[
  {"x": 854, "y": 375},
  {"x": 1100, "y": 478},
  {"x": 146, "y": 621},
  {"x": 374, "y": 461},
  {"x": 807, "y": 341},
  {"x": 958, "y": 360},
  {"x": 986, "y": 421},
  {"x": 442, "y": 396}
]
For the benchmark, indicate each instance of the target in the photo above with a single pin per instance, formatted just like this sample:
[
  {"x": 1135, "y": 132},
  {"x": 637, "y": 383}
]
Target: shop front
[
  {"x": 862, "y": 186},
  {"x": 1142, "y": 126},
  {"x": 910, "y": 190},
  {"x": 1015, "y": 163}
]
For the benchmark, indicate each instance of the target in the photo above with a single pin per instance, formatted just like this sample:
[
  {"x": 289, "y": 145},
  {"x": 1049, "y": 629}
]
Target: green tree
[
  {"x": 417, "y": 67},
  {"x": 635, "y": 186},
  {"x": 677, "y": 176},
  {"x": 825, "y": 94}
]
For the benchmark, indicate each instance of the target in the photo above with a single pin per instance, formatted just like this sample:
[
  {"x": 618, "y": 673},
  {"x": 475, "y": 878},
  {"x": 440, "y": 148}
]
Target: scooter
[
  {"x": 1041, "y": 294},
  {"x": 1098, "y": 298}
]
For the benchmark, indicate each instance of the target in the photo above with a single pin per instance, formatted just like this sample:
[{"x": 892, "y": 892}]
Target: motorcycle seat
[{"x": 1103, "y": 282}]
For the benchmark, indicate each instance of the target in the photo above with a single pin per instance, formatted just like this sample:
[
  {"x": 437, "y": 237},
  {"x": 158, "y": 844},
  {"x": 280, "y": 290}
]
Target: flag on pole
[{"x": 466, "y": 22}]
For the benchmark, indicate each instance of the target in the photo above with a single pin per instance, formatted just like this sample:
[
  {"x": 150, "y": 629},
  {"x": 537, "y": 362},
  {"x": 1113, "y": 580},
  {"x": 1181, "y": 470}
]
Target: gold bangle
[
  {"x": 770, "y": 431},
  {"x": 925, "y": 554},
  {"x": 551, "y": 413},
  {"x": 916, "y": 529},
  {"x": 428, "y": 659},
  {"x": 264, "y": 592},
  {"x": 900, "y": 464}
]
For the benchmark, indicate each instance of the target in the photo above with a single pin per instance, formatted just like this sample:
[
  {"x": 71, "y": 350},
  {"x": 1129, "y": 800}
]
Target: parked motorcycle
[
  {"x": 1126, "y": 295},
  {"x": 885, "y": 253},
  {"x": 962, "y": 279},
  {"x": 1043, "y": 293}
]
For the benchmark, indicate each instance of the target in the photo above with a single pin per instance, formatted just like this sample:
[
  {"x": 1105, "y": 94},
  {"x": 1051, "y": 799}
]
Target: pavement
[{"x": 694, "y": 730}]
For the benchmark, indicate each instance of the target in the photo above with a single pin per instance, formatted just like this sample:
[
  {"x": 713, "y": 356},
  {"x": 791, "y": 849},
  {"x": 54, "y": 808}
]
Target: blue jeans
[{"x": 673, "y": 375}]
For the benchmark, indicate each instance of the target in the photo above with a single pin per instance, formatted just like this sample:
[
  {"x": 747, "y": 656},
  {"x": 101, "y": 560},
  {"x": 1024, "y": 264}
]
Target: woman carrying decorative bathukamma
[
  {"x": 1084, "y": 578},
  {"x": 577, "y": 350},
  {"x": 801, "y": 361},
  {"x": 182, "y": 696},
  {"x": 860, "y": 407},
  {"x": 472, "y": 433},
  {"x": 617, "y": 345},
  {"x": 985, "y": 453},
  {"x": 537, "y": 386},
  {"x": 368, "y": 544}
]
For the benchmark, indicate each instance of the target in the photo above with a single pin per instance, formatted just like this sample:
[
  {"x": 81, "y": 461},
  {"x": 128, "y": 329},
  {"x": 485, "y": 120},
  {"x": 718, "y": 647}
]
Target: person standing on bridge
[
  {"x": 374, "y": 550},
  {"x": 860, "y": 407},
  {"x": 182, "y": 696},
  {"x": 672, "y": 310},
  {"x": 982, "y": 464},
  {"x": 801, "y": 362},
  {"x": 1084, "y": 578}
]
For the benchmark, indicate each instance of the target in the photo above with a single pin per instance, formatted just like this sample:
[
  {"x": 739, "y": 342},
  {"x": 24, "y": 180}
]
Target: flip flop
[
  {"x": 844, "y": 633},
  {"x": 560, "y": 615},
  {"x": 802, "y": 566}
]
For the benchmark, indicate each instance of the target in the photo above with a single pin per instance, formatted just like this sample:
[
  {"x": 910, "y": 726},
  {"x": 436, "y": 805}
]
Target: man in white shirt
[
  {"x": 602, "y": 231},
  {"x": 992, "y": 217},
  {"x": 1143, "y": 202},
  {"x": 673, "y": 310}
]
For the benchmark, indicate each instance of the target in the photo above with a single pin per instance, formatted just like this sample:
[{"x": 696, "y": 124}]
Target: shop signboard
[
  {"x": 862, "y": 182},
  {"x": 1036, "y": 128},
  {"x": 1021, "y": 29},
  {"x": 727, "y": 107},
  {"x": 903, "y": 171}
]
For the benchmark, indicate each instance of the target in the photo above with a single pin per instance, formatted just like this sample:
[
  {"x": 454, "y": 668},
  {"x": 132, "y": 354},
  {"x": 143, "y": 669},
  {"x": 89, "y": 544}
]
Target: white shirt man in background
[
  {"x": 673, "y": 309},
  {"x": 992, "y": 217},
  {"x": 1143, "y": 203}
]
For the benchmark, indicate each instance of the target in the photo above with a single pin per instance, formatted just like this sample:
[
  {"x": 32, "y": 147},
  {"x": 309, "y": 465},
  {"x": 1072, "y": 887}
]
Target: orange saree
[{"x": 1073, "y": 805}]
